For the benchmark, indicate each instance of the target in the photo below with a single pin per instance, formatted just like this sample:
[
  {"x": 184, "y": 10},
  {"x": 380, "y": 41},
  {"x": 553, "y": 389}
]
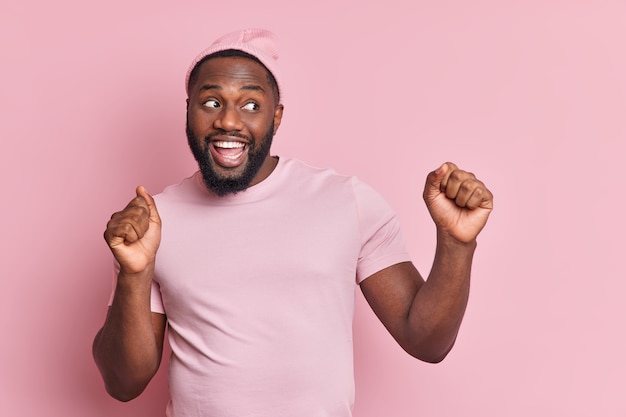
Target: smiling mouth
[
  {"x": 228, "y": 145},
  {"x": 229, "y": 153}
]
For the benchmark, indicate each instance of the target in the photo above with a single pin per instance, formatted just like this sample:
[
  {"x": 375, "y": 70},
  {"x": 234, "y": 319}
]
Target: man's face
[{"x": 232, "y": 116}]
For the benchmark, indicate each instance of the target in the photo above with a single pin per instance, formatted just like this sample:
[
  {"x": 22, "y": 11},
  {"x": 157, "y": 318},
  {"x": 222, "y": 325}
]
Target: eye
[
  {"x": 251, "y": 106},
  {"x": 211, "y": 103}
]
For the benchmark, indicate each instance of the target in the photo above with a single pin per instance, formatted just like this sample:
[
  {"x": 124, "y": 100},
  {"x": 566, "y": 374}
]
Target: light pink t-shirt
[{"x": 258, "y": 289}]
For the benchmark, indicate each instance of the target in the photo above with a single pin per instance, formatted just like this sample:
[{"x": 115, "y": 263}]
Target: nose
[{"x": 228, "y": 119}]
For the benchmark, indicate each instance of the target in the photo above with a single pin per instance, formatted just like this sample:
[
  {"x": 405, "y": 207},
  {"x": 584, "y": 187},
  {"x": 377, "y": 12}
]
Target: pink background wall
[{"x": 530, "y": 95}]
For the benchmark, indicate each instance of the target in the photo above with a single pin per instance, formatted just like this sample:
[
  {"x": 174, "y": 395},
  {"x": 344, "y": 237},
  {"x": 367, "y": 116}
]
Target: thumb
[
  {"x": 154, "y": 213},
  {"x": 436, "y": 181}
]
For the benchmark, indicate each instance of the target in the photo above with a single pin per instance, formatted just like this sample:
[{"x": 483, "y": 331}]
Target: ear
[
  {"x": 278, "y": 116},
  {"x": 187, "y": 101}
]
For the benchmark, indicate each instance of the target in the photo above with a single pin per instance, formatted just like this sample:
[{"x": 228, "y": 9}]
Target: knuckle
[
  {"x": 133, "y": 214},
  {"x": 456, "y": 175},
  {"x": 136, "y": 212},
  {"x": 463, "y": 175},
  {"x": 112, "y": 224},
  {"x": 468, "y": 185},
  {"x": 125, "y": 229},
  {"x": 136, "y": 218}
]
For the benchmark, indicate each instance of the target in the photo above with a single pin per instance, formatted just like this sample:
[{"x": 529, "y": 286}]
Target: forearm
[
  {"x": 439, "y": 305},
  {"x": 126, "y": 349}
]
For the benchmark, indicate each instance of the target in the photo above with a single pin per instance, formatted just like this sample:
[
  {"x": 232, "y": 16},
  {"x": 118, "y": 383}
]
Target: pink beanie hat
[{"x": 259, "y": 43}]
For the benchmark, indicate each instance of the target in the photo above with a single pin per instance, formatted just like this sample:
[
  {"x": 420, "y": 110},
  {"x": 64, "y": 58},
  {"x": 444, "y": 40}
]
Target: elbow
[
  {"x": 430, "y": 352},
  {"x": 124, "y": 393},
  {"x": 430, "y": 357},
  {"x": 121, "y": 380},
  {"x": 120, "y": 395},
  {"x": 125, "y": 387},
  {"x": 433, "y": 357},
  {"x": 122, "y": 386}
]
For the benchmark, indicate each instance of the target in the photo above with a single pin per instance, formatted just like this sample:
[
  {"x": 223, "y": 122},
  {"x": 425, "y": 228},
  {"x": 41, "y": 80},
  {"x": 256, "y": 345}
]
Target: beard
[{"x": 221, "y": 185}]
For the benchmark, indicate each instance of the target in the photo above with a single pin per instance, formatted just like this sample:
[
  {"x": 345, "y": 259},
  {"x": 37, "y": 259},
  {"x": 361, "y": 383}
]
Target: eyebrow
[{"x": 247, "y": 87}]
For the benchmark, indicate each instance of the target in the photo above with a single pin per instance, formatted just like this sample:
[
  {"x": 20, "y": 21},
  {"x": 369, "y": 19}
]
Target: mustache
[{"x": 211, "y": 135}]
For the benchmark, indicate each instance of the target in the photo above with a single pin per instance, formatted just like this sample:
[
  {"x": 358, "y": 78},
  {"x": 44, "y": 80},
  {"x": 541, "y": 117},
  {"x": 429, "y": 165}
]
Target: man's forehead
[
  {"x": 235, "y": 68},
  {"x": 240, "y": 87}
]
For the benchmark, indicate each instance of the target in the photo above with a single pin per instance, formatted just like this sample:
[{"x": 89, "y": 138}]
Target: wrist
[
  {"x": 447, "y": 240},
  {"x": 135, "y": 280},
  {"x": 134, "y": 265}
]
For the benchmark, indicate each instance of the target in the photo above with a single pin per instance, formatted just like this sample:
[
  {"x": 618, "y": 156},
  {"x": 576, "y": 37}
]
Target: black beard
[{"x": 223, "y": 186}]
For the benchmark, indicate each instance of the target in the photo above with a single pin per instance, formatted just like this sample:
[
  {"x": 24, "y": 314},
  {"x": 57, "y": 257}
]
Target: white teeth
[{"x": 229, "y": 145}]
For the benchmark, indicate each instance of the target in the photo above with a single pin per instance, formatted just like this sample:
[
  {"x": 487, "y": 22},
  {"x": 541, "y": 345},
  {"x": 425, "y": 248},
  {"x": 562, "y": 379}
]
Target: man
[{"x": 252, "y": 261}]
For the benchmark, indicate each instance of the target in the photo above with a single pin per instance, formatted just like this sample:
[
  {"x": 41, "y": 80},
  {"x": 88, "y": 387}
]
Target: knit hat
[{"x": 259, "y": 43}]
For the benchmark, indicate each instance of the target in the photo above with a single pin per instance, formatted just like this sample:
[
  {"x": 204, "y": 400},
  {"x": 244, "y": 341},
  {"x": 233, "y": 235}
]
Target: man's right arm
[{"x": 129, "y": 346}]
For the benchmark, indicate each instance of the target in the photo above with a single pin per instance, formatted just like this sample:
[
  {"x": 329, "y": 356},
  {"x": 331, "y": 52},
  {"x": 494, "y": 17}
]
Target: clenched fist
[
  {"x": 458, "y": 202},
  {"x": 134, "y": 233}
]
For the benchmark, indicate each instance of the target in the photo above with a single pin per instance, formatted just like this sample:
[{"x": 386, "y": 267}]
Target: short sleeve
[
  {"x": 156, "y": 302},
  {"x": 382, "y": 243}
]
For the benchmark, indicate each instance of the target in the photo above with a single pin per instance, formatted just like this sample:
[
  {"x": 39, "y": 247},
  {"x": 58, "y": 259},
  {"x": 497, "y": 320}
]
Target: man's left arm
[{"x": 425, "y": 316}]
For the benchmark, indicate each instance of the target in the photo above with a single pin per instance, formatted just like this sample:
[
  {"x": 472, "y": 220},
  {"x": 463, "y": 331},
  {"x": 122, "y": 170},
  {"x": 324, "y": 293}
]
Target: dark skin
[
  {"x": 233, "y": 101},
  {"x": 233, "y": 95}
]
